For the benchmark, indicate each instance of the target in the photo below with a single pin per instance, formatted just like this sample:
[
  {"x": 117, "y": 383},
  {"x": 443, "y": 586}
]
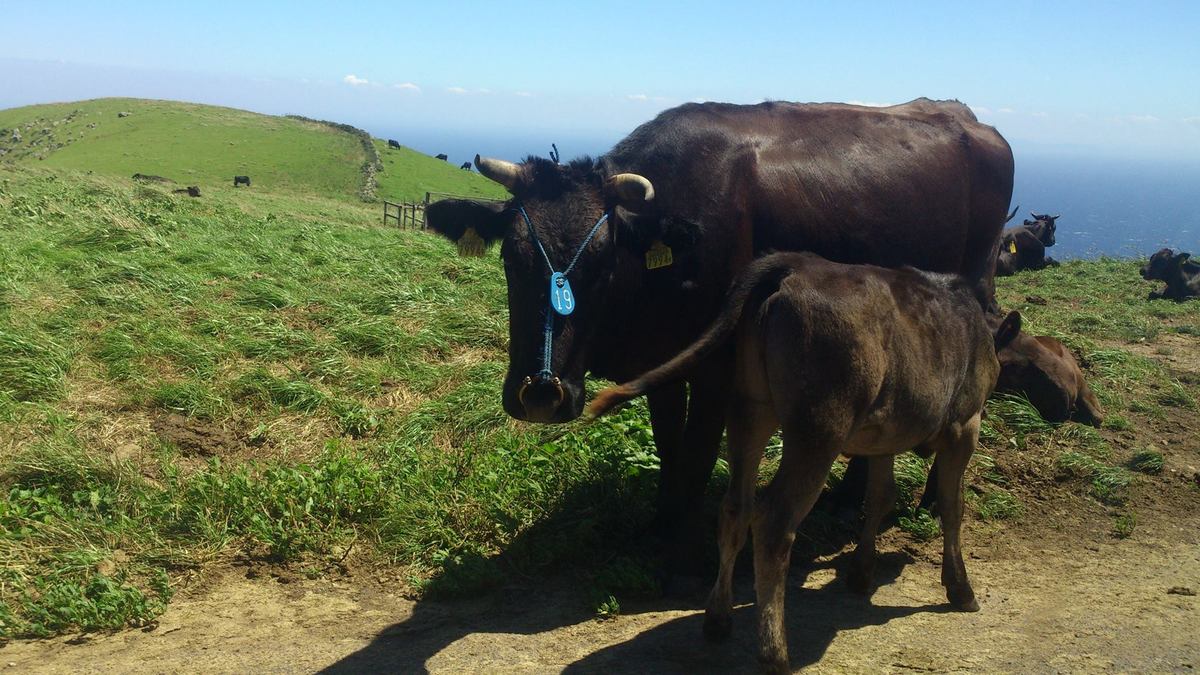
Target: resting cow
[
  {"x": 1181, "y": 274},
  {"x": 851, "y": 359},
  {"x": 1044, "y": 371},
  {"x": 684, "y": 203},
  {"x": 441, "y": 157},
  {"x": 1024, "y": 247}
]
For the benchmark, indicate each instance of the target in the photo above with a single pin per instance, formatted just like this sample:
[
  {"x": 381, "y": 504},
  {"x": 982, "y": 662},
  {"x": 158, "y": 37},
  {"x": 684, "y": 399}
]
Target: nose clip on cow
[{"x": 543, "y": 393}]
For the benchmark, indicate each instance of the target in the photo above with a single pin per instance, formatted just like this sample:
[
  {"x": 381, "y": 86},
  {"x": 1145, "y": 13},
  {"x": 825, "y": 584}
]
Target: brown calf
[
  {"x": 1044, "y": 370},
  {"x": 846, "y": 358}
]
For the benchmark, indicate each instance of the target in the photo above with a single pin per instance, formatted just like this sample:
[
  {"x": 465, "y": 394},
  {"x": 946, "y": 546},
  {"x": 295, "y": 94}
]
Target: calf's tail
[{"x": 752, "y": 288}]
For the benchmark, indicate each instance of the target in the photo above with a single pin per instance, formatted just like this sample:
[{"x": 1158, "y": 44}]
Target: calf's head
[{"x": 554, "y": 209}]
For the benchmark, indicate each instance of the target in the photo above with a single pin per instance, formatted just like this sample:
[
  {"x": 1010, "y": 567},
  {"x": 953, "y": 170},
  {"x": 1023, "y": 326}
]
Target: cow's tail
[{"x": 753, "y": 287}]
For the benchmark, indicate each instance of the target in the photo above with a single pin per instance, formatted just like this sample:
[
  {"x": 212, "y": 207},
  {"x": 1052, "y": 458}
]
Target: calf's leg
[
  {"x": 881, "y": 496},
  {"x": 954, "y": 451},
  {"x": 750, "y": 426},
  {"x": 777, "y": 514}
]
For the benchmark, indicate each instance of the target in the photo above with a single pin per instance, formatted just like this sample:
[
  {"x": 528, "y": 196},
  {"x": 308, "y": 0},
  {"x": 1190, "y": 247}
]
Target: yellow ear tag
[
  {"x": 658, "y": 256},
  {"x": 1012, "y": 247},
  {"x": 470, "y": 244}
]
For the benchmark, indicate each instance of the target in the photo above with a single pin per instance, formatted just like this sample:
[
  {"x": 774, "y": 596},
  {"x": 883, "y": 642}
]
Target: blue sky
[{"x": 1104, "y": 78}]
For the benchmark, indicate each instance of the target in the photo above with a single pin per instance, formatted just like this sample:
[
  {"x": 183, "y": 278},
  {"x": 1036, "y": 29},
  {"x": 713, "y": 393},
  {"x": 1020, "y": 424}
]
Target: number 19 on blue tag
[{"x": 561, "y": 298}]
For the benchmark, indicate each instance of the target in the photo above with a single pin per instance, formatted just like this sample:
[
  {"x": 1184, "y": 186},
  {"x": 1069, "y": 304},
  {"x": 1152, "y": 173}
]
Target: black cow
[
  {"x": 241, "y": 180},
  {"x": 441, "y": 157},
  {"x": 191, "y": 191},
  {"x": 892, "y": 360},
  {"x": 1181, "y": 274},
  {"x": 393, "y": 144},
  {"x": 692, "y": 197},
  {"x": 1024, "y": 247},
  {"x": 466, "y": 166}
]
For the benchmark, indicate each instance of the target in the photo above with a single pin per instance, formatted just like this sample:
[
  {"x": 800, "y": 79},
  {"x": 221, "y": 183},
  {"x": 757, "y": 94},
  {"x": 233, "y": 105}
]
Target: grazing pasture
[{"x": 258, "y": 400}]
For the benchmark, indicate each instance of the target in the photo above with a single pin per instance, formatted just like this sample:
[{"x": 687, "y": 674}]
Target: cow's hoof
[
  {"x": 963, "y": 600},
  {"x": 717, "y": 627},
  {"x": 772, "y": 663}
]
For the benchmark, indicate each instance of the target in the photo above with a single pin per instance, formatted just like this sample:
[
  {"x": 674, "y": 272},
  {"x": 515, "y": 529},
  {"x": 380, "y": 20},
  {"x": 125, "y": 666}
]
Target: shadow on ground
[{"x": 555, "y": 594}]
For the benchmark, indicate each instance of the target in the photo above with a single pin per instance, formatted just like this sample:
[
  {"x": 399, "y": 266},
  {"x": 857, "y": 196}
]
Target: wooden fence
[{"x": 404, "y": 214}]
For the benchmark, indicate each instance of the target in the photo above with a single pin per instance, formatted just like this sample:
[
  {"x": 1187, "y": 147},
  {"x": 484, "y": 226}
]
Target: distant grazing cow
[
  {"x": 393, "y": 144},
  {"x": 441, "y": 157},
  {"x": 851, "y": 359},
  {"x": 191, "y": 190},
  {"x": 241, "y": 180},
  {"x": 1024, "y": 247},
  {"x": 466, "y": 166},
  {"x": 1181, "y": 274},
  {"x": 151, "y": 178},
  {"x": 1044, "y": 371}
]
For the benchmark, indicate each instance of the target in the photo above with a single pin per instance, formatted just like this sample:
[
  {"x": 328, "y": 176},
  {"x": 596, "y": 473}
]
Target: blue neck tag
[{"x": 561, "y": 298}]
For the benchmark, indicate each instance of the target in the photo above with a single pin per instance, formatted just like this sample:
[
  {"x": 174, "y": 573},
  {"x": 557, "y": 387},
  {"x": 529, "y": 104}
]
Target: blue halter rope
[{"x": 547, "y": 347}]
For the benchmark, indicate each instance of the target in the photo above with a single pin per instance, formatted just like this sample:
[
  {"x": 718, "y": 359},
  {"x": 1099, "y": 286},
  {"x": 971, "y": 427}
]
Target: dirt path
[{"x": 1068, "y": 600}]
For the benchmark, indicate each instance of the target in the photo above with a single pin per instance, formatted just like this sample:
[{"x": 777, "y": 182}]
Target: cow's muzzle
[{"x": 541, "y": 396}]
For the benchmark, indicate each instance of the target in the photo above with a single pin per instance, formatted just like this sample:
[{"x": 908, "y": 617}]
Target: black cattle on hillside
[
  {"x": 393, "y": 144},
  {"x": 241, "y": 180},
  {"x": 441, "y": 157},
  {"x": 1181, "y": 274},
  {"x": 691, "y": 198},
  {"x": 1024, "y": 247},
  {"x": 466, "y": 166}
]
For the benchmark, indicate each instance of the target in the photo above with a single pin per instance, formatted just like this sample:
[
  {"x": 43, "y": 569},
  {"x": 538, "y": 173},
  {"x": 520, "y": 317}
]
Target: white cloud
[
  {"x": 637, "y": 97},
  {"x": 1006, "y": 111},
  {"x": 980, "y": 110},
  {"x": 457, "y": 90},
  {"x": 407, "y": 86},
  {"x": 1194, "y": 119},
  {"x": 1039, "y": 114},
  {"x": 483, "y": 91},
  {"x": 355, "y": 81},
  {"x": 1142, "y": 119},
  {"x": 523, "y": 94},
  {"x": 870, "y": 104}
]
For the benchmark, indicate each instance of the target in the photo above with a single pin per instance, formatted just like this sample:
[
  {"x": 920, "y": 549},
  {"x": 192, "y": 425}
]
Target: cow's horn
[
  {"x": 631, "y": 189},
  {"x": 504, "y": 173},
  {"x": 1056, "y": 216},
  {"x": 1034, "y": 215}
]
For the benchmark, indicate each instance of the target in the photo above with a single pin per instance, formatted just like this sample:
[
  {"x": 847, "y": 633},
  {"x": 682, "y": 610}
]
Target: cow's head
[
  {"x": 564, "y": 203},
  {"x": 1160, "y": 264},
  {"x": 1042, "y": 226}
]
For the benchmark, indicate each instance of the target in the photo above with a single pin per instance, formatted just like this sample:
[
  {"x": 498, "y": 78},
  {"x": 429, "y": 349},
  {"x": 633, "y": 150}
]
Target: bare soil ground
[{"x": 1059, "y": 593}]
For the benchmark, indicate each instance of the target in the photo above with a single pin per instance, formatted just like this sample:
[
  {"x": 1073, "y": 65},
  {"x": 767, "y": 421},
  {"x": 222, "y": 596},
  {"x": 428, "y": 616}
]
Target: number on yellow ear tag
[
  {"x": 470, "y": 244},
  {"x": 1012, "y": 247},
  {"x": 658, "y": 256}
]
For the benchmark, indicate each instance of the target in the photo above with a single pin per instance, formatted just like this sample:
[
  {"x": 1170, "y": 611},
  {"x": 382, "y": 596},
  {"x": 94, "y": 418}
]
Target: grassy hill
[
  {"x": 264, "y": 376},
  {"x": 205, "y": 145}
]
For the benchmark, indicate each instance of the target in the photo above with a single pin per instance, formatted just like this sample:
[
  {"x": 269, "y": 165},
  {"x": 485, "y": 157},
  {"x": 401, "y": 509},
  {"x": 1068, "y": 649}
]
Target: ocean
[{"x": 1108, "y": 206}]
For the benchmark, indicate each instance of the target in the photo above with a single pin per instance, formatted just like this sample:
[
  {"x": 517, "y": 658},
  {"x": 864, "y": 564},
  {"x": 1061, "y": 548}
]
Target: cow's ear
[
  {"x": 1179, "y": 259},
  {"x": 452, "y": 218},
  {"x": 1007, "y": 331}
]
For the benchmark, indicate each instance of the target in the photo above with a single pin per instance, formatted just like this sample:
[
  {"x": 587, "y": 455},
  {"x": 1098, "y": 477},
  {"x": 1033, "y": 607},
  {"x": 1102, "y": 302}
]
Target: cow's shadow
[{"x": 540, "y": 603}]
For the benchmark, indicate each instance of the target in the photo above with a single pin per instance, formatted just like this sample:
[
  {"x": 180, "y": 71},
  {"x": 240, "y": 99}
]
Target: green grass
[
  {"x": 354, "y": 371},
  {"x": 206, "y": 146},
  {"x": 348, "y": 379}
]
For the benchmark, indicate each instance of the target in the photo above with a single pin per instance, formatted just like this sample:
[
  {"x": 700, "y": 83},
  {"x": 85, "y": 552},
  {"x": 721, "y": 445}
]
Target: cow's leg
[
  {"x": 750, "y": 427},
  {"x": 847, "y": 497},
  {"x": 668, "y": 413},
  {"x": 929, "y": 495},
  {"x": 881, "y": 496},
  {"x": 954, "y": 452},
  {"x": 777, "y": 514}
]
